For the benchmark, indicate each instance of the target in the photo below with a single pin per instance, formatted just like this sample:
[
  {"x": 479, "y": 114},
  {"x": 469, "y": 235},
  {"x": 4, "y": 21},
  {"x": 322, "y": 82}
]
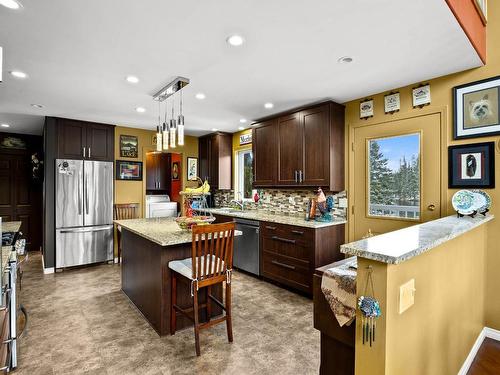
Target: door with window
[{"x": 397, "y": 174}]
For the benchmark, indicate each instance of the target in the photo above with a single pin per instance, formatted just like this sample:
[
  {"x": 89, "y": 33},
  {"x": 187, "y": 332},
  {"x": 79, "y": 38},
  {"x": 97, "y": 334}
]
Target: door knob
[{"x": 431, "y": 207}]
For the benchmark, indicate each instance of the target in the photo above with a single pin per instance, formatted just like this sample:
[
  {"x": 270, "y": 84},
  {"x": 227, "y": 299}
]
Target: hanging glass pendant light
[
  {"x": 173, "y": 127},
  {"x": 180, "y": 125},
  {"x": 158, "y": 130},
  {"x": 165, "y": 130}
]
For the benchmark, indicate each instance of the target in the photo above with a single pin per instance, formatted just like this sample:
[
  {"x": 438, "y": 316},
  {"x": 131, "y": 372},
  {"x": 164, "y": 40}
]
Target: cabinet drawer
[
  {"x": 302, "y": 236},
  {"x": 287, "y": 247},
  {"x": 286, "y": 270}
]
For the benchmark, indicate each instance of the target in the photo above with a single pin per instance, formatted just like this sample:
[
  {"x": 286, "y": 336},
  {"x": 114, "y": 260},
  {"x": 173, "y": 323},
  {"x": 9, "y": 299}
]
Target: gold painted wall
[
  {"x": 441, "y": 94},
  {"x": 432, "y": 337}
]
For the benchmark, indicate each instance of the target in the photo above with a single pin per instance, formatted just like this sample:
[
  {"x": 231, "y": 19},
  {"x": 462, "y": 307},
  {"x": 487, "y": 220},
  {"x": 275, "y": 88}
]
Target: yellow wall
[
  {"x": 435, "y": 335},
  {"x": 441, "y": 94}
]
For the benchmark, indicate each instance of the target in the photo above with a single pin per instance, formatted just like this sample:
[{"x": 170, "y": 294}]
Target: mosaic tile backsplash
[{"x": 281, "y": 201}]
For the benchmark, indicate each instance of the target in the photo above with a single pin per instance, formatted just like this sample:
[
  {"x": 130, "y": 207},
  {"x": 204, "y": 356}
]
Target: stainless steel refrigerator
[{"x": 84, "y": 212}]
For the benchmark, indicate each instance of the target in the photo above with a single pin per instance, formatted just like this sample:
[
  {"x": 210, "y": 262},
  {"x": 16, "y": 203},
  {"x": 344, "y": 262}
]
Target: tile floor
[{"x": 80, "y": 322}]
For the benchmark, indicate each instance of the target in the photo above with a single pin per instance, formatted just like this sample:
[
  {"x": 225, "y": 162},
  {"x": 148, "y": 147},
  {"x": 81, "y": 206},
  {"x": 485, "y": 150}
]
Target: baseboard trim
[
  {"x": 49, "y": 270},
  {"x": 485, "y": 333},
  {"x": 115, "y": 260}
]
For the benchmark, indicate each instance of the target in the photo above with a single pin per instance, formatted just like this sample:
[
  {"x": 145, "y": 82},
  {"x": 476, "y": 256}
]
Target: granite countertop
[
  {"x": 262, "y": 215},
  {"x": 404, "y": 244},
  {"x": 11, "y": 226},
  {"x": 162, "y": 230}
]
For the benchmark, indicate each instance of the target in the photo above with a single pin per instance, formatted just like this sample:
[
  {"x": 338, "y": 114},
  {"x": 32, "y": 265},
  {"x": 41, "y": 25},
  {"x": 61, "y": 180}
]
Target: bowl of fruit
[{"x": 187, "y": 223}]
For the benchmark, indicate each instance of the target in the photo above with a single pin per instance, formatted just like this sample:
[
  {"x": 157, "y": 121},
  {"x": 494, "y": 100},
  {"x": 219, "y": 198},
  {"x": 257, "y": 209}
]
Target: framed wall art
[
  {"x": 366, "y": 109},
  {"x": 472, "y": 165},
  {"x": 421, "y": 96},
  {"x": 192, "y": 169},
  {"x": 392, "y": 103},
  {"x": 476, "y": 107},
  {"x": 128, "y": 170},
  {"x": 128, "y": 146},
  {"x": 175, "y": 171}
]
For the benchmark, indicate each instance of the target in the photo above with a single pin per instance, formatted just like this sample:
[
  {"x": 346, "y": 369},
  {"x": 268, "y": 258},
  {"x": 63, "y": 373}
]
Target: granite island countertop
[
  {"x": 401, "y": 245},
  {"x": 161, "y": 230},
  {"x": 8, "y": 226},
  {"x": 262, "y": 215}
]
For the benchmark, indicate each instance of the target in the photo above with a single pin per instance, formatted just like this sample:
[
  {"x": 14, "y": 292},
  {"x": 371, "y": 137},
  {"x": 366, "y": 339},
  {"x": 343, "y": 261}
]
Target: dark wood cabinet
[
  {"x": 215, "y": 154},
  {"x": 290, "y": 254},
  {"x": 264, "y": 149},
  {"x": 158, "y": 171},
  {"x": 84, "y": 140},
  {"x": 310, "y": 148}
]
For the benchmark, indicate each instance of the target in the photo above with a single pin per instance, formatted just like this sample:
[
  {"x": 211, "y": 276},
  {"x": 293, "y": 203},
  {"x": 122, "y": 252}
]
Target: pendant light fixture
[
  {"x": 173, "y": 126},
  {"x": 180, "y": 125},
  {"x": 165, "y": 129},
  {"x": 158, "y": 130}
]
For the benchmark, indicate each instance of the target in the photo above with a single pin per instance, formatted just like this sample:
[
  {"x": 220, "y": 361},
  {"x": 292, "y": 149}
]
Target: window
[
  {"x": 394, "y": 177},
  {"x": 245, "y": 174}
]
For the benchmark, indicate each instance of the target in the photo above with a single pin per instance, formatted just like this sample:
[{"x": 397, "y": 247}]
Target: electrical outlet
[
  {"x": 342, "y": 202},
  {"x": 291, "y": 200},
  {"x": 406, "y": 295}
]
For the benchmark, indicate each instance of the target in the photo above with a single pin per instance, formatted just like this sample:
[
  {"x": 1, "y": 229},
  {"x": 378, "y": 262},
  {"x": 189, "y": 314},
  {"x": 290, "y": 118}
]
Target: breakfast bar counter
[{"x": 148, "y": 245}]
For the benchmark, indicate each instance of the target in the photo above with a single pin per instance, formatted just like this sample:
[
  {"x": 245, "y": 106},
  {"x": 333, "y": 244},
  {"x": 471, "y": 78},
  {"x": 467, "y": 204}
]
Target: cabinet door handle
[
  {"x": 298, "y": 232},
  {"x": 83, "y": 151},
  {"x": 283, "y": 265},
  {"x": 301, "y": 177},
  {"x": 281, "y": 239},
  {"x": 89, "y": 152},
  {"x": 270, "y": 227},
  {"x": 296, "y": 178}
]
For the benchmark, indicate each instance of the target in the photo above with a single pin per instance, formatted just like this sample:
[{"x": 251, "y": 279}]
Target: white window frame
[{"x": 238, "y": 192}]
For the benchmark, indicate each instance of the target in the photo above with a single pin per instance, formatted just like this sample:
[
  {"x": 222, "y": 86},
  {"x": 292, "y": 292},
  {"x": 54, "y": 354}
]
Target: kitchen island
[{"x": 148, "y": 245}]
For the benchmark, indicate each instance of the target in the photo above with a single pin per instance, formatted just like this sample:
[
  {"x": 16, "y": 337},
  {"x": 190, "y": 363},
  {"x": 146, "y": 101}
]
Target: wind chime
[{"x": 370, "y": 310}]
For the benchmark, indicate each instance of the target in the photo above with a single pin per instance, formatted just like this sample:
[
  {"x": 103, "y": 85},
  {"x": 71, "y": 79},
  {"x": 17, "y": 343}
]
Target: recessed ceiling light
[
  {"x": 18, "y": 74},
  {"x": 345, "y": 59},
  {"x": 243, "y": 120},
  {"x": 241, "y": 128},
  {"x": 200, "y": 96},
  {"x": 11, "y": 4},
  {"x": 268, "y": 105},
  {"x": 214, "y": 129},
  {"x": 5, "y": 126},
  {"x": 132, "y": 79},
  {"x": 39, "y": 106},
  {"x": 235, "y": 40},
  {"x": 140, "y": 109}
]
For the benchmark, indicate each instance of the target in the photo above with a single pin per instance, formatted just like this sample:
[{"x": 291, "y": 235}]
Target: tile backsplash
[{"x": 282, "y": 201}]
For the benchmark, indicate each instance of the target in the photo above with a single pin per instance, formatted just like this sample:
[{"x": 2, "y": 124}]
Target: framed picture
[
  {"x": 154, "y": 140},
  {"x": 392, "y": 103},
  {"x": 476, "y": 109},
  {"x": 128, "y": 146},
  {"x": 129, "y": 170},
  {"x": 366, "y": 109},
  {"x": 472, "y": 166},
  {"x": 176, "y": 171},
  {"x": 421, "y": 96},
  {"x": 192, "y": 169}
]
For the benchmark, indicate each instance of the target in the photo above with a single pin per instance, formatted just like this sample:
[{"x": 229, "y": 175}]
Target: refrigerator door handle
[
  {"x": 84, "y": 230},
  {"x": 86, "y": 196},
  {"x": 79, "y": 195}
]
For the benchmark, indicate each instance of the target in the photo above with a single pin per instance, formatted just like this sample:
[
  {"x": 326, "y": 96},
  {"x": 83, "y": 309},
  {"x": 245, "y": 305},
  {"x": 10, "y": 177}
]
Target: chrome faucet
[{"x": 240, "y": 202}]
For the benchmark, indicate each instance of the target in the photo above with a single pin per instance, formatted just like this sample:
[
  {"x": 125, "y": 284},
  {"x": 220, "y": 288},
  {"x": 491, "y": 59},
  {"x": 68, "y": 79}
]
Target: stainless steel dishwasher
[{"x": 246, "y": 247}]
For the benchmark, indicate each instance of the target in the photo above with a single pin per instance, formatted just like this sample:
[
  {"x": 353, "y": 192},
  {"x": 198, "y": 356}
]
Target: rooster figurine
[{"x": 321, "y": 199}]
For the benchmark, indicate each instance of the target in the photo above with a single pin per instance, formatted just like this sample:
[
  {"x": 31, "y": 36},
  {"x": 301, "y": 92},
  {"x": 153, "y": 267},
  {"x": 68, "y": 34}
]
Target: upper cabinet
[
  {"x": 302, "y": 148},
  {"x": 158, "y": 171},
  {"x": 84, "y": 140},
  {"x": 215, "y": 154}
]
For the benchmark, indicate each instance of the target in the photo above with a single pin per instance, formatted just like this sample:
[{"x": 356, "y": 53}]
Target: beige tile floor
[{"x": 81, "y": 322}]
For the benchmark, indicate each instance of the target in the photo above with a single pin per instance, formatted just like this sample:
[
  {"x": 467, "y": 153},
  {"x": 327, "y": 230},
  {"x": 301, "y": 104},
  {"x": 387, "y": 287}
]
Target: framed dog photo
[
  {"x": 472, "y": 166},
  {"x": 476, "y": 109}
]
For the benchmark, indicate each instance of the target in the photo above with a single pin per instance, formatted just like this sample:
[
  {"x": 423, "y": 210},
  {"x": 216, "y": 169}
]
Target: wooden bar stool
[
  {"x": 211, "y": 263},
  {"x": 123, "y": 211}
]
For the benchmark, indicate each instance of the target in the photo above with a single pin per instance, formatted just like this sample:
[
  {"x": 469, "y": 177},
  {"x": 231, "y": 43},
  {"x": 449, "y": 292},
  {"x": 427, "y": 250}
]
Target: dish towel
[{"x": 338, "y": 284}]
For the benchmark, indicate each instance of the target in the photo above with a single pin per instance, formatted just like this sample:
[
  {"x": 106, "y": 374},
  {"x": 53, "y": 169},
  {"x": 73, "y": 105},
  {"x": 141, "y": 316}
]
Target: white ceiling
[{"x": 77, "y": 55}]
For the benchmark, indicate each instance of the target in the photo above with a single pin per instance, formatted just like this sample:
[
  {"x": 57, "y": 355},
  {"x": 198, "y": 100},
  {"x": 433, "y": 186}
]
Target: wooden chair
[
  {"x": 211, "y": 263},
  {"x": 123, "y": 211}
]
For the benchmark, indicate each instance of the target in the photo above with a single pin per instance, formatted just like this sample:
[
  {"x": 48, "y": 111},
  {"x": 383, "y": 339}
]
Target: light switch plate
[{"x": 406, "y": 295}]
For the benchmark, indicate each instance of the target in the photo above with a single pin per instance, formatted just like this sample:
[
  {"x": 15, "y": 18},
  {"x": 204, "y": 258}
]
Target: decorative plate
[
  {"x": 482, "y": 200},
  {"x": 463, "y": 202}
]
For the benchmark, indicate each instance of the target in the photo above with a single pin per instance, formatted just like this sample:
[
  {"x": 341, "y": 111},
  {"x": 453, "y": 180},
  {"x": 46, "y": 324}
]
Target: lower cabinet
[{"x": 290, "y": 254}]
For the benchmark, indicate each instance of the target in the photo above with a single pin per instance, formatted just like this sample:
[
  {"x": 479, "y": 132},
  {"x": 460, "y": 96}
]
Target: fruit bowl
[{"x": 187, "y": 223}]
